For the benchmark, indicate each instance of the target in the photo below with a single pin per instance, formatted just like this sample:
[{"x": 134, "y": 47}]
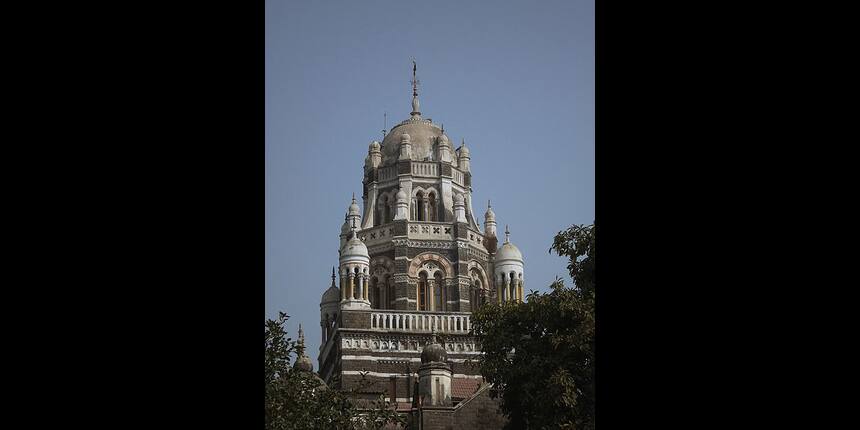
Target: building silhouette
[{"x": 413, "y": 265}]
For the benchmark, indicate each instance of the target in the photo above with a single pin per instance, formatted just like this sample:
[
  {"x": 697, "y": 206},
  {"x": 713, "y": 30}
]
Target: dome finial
[
  {"x": 332, "y": 276},
  {"x": 507, "y": 234},
  {"x": 301, "y": 344},
  {"x": 415, "y": 112},
  {"x": 488, "y": 204},
  {"x": 435, "y": 337}
]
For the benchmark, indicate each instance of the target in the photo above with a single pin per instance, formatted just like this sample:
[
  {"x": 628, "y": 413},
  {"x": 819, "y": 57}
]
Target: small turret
[
  {"x": 402, "y": 206},
  {"x": 354, "y": 272},
  {"x": 353, "y": 215},
  {"x": 374, "y": 154},
  {"x": 509, "y": 271},
  {"x": 459, "y": 208},
  {"x": 405, "y": 146},
  {"x": 444, "y": 149},
  {"x": 465, "y": 157},
  {"x": 303, "y": 362},
  {"x": 434, "y": 375},
  {"x": 490, "y": 241}
]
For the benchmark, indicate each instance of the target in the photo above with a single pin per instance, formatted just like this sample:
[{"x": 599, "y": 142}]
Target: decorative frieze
[{"x": 385, "y": 342}]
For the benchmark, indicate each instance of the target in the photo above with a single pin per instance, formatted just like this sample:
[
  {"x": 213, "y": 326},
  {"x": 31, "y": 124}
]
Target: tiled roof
[{"x": 464, "y": 387}]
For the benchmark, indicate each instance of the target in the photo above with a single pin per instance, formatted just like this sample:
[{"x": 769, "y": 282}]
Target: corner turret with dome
[{"x": 509, "y": 271}]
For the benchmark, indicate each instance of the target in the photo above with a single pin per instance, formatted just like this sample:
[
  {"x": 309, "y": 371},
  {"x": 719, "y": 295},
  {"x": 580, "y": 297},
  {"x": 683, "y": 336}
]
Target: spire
[
  {"x": 507, "y": 234},
  {"x": 301, "y": 344},
  {"x": 489, "y": 206},
  {"x": 333, "y": 284},
  {"x": 435, "y": 338},
  {"x": 415, "y": 112}
]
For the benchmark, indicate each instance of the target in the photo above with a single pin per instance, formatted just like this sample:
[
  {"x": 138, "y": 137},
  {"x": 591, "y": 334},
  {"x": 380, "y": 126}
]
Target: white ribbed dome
[
  {"x": 490, "y": 215},
  {"x": 464, "y": 151},
  {"x": 353, "y": 208},
  {"x": 509, "y": 252},
  {"x": 332, "y": 294},
  {"x": 353, "y": 249}
]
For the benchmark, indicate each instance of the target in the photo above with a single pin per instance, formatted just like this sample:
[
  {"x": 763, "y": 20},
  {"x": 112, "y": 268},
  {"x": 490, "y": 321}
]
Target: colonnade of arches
[
  {"x": 353, "y": 283},
  {"x": 328, "y": 323},
  {"x": 382, "y": 295},
  {"x": 424, "y": 206},
  {"x": 510, "y": 287}
]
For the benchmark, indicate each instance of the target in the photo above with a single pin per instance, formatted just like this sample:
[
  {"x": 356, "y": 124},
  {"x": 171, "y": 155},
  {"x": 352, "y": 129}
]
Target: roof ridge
[{"x": 484, "y": 387}]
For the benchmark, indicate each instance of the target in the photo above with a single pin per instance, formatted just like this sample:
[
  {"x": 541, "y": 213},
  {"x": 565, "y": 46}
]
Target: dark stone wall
[
  {"x": 482, "y": 412},
  {"x": 404, "y": 167},
  {"x": 439, "y": 419},
  {"x": 355, "y": 319}
]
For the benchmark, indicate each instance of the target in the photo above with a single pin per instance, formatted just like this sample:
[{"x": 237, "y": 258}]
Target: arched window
[
  {"x": 421, "y": 204},
  {"x": 390, "y": 297},
  {"x": 386, "y": 210},
  {"x": 432, "y": 207},
  {"x": 376, "y": 217},
  {"x": 476, "y": 297},
  {"x": 439, "y": 293},
  {"x": 422, "y": 291},
  {"x": 374, "y": 293}
]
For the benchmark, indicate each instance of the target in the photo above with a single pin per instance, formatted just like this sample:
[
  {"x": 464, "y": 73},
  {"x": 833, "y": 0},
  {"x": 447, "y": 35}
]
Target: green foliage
[
  {"x": 300, "y": 400},
  {"x": 539, "y": 355}
]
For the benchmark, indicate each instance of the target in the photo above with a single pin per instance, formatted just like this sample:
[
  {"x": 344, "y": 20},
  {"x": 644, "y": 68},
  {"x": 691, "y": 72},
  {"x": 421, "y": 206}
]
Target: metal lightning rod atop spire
[
  {"x": 416, "y": 113},
  {"x": 414, "y": 81}
]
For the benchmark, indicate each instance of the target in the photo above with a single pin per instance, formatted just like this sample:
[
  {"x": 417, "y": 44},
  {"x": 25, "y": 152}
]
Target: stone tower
[{"x": 412, "y": 263}]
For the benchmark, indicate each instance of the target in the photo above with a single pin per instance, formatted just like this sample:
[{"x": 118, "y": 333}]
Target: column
[
  {"x": 351, "y": 285},
  {"x": 430, "y": 292}
]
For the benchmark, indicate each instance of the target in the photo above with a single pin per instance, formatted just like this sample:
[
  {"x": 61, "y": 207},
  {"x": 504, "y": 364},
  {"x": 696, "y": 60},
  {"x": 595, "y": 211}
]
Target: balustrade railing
[
  {"x": 457, "y": 177},
  {"x": 420, "y": 322},
  {"x": 387, "y": 173},
  {"x": 425, "y": 168}
]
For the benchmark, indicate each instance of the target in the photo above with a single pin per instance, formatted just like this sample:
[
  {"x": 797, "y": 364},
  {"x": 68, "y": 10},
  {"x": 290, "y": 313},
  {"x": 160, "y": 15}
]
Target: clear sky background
[{"x": 514, "y": 78}]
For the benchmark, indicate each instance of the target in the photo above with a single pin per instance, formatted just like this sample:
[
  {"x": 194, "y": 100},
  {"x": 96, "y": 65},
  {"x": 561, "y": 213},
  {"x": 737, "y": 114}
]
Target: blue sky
[{"x": 514, "y": 78}]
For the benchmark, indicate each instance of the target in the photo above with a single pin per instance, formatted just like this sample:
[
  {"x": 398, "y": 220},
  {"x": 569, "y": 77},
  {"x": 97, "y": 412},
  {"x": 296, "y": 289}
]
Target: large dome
[{"x": 422, "y": 133}]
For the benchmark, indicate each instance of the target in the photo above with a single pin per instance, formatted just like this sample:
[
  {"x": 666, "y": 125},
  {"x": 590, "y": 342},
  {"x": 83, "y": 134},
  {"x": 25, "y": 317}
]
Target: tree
[
  {"x": 298, "y": 399},
  {"x": 539, "y": 355}
]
